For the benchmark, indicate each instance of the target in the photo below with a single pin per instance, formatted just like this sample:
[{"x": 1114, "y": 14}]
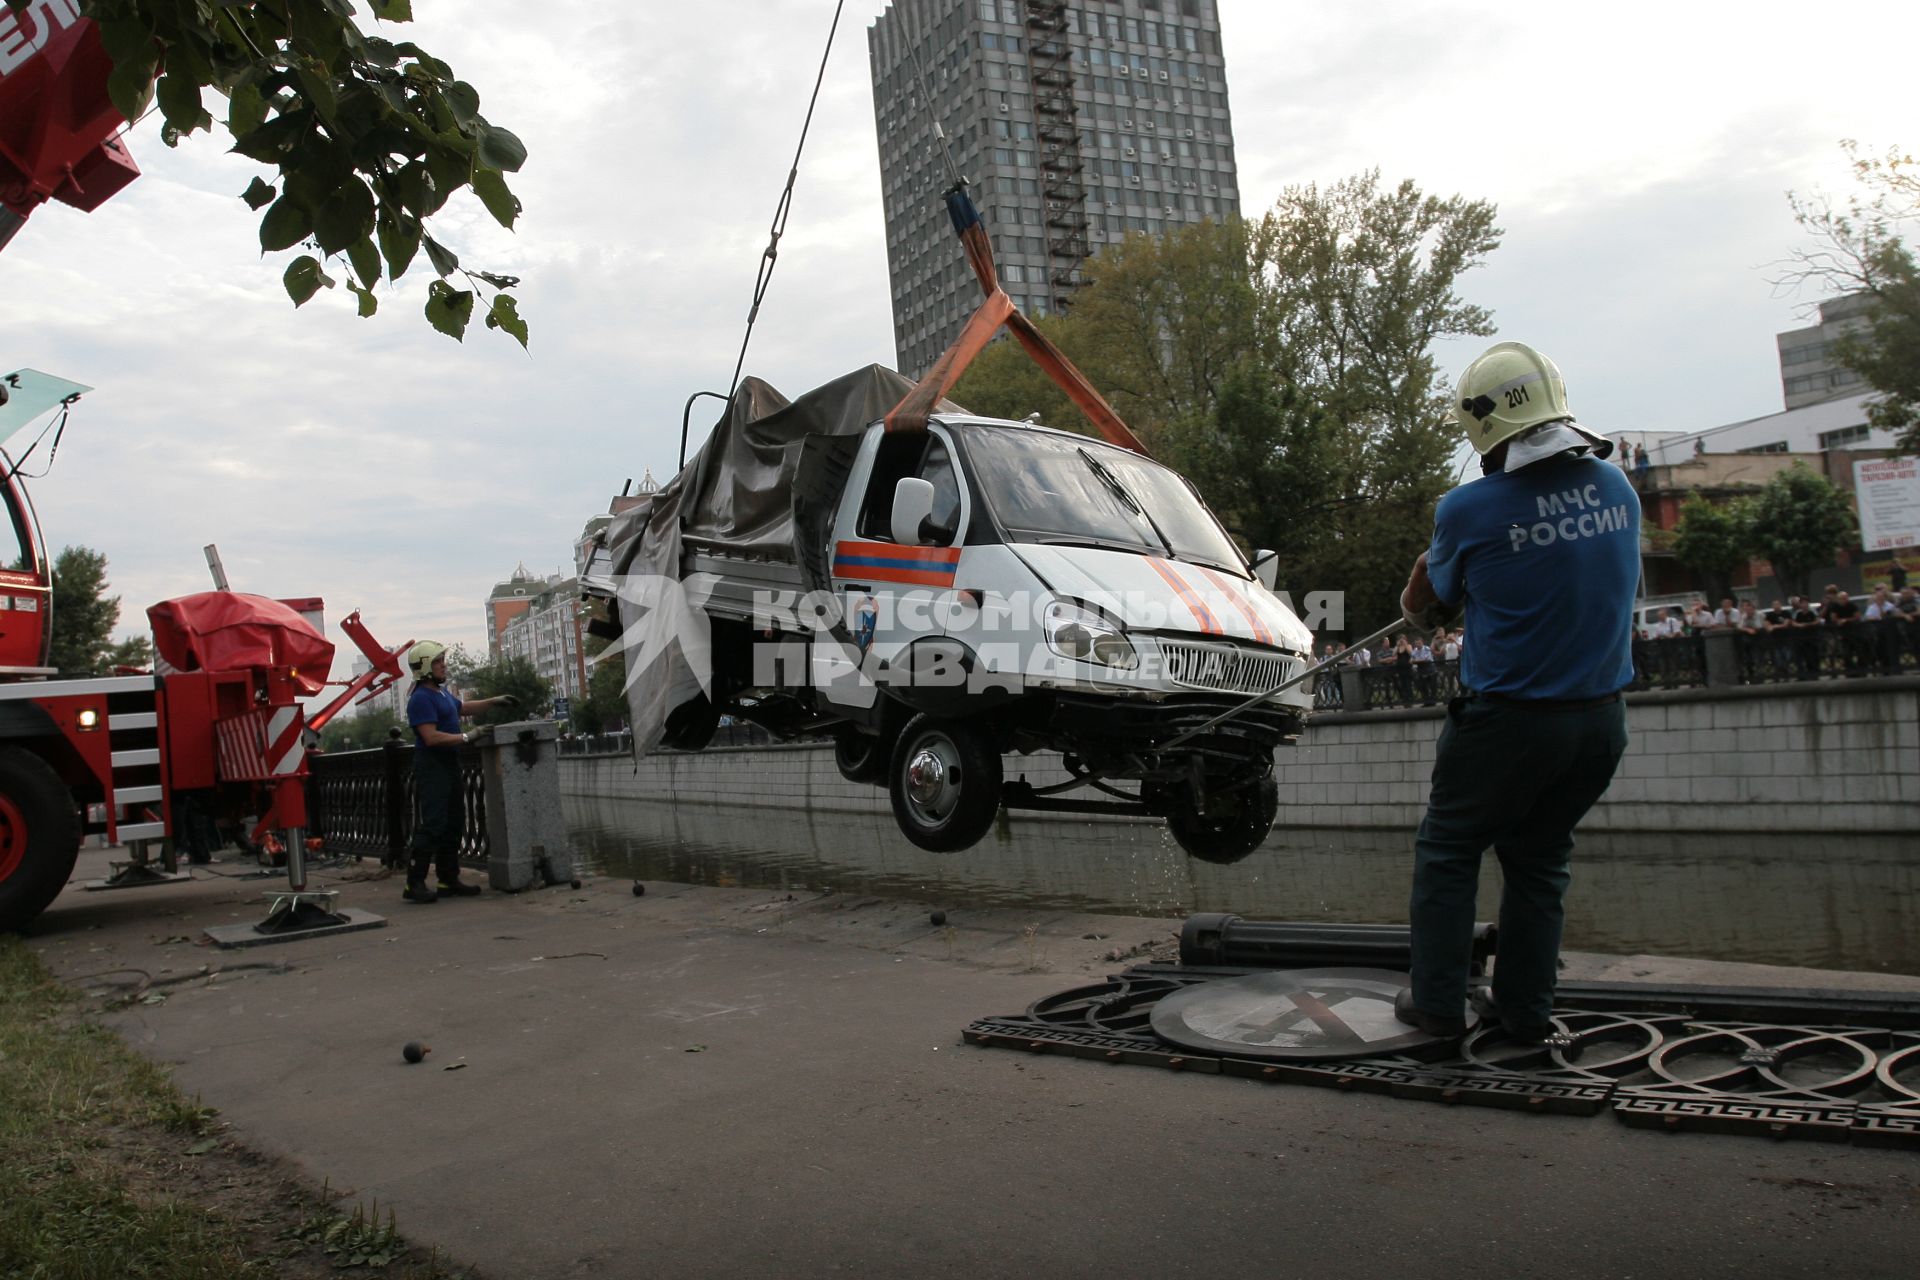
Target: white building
[
  {"x": 1814, "y": 428},
  {"x": 390, "y": 701}
]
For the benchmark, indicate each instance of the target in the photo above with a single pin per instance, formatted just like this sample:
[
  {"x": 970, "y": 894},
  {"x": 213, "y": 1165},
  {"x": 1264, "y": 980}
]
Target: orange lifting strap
[{"x": 998, "y": 309}]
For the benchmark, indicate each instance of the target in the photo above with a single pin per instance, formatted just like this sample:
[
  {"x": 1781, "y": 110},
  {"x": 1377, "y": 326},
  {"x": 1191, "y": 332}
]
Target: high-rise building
[
  {"x": 507, "y": 601},
  {"x": 1075, "y": 123},
  {"x": 551, "y": 635},
  {"x": 1808, "y": 372}
]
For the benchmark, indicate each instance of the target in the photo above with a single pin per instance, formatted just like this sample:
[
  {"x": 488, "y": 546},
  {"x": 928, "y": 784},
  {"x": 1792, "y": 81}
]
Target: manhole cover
[{"x": 1294, "y": 1014}]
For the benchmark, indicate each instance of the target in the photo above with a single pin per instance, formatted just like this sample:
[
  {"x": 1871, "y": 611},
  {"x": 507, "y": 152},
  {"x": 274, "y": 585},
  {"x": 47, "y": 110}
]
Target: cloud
[{"x": 1638, "y": 154}]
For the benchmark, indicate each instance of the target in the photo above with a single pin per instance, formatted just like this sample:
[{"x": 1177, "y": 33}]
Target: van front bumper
[{"x": 1092, "y": 726}]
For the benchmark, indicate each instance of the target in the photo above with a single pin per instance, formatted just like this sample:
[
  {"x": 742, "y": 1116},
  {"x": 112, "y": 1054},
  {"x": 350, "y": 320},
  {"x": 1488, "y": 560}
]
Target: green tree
[
  {"x": 604, "y": 709},
  {"x": 1004, "y": 382},
  {"x": 1356, "y": 282},
  {"x": 1165, "y": 321},
  {"x": 1265, "y": 439},
  {"x": 134, "y": 651},
  {"x": 1799, "y": 521},
  {"x": 507, "y": 675},
  {"x": 369, "y": 137},
  {"x": 83, "y": 613},
  {"x": 1352, "y": 285},
  {"x": 1713, "y": 539},
  {"x": 1859, "y": 249},
  {"x": 362, "y": 732},
  {"x": 1285, "y": 366}
]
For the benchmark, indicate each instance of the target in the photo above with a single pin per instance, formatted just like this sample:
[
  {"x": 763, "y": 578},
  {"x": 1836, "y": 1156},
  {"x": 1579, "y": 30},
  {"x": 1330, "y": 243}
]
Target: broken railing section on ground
[{"x": 1822, "y": 1065}]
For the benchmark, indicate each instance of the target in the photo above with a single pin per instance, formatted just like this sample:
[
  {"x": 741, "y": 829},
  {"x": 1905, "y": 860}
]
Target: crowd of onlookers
[
  {"x": 1793, "y": 639},
  {"x": 1877, "y": 632},
  {"x": 1421, "y": 668}
]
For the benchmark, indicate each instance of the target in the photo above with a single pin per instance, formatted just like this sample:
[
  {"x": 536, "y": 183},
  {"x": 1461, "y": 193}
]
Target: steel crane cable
[{"x": 785, "y": 206}]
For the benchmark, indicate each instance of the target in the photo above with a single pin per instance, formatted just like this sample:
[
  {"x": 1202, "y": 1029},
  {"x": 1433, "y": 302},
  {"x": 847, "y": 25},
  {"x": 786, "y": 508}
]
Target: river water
[{"x": 1836, "y": 902}]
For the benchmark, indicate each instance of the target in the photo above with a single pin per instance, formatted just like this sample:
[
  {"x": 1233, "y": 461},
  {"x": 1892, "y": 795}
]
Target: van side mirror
[
  {"x": 912, "y": 504},
  {"x": 1266, "y": 567}
]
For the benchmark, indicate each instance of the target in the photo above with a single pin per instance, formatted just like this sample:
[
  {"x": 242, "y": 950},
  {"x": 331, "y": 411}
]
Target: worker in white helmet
[
  {"x": 437, "y": 738},
  {"x": 1542, "y": 553}
]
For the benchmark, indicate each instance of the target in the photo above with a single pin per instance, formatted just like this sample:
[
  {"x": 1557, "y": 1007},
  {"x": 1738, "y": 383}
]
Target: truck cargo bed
[{"x": 750, "y": 588}]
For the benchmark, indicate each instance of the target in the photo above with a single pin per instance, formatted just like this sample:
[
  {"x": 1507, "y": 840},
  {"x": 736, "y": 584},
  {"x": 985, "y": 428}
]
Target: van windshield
[{"x": 1059, "y": 489}]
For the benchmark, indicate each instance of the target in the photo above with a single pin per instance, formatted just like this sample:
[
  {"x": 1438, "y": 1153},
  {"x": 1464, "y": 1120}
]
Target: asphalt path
[{"x": 723, "y": 1082}]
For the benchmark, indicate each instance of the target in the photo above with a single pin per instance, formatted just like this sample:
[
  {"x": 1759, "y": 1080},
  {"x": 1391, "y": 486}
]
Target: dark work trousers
[
  {"x": 442, "y": 814},
  {"x": 1517, "y": 778}
]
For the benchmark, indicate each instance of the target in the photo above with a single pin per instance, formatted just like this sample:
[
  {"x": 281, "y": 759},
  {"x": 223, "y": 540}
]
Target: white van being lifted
[{"x": 936, "y": 598}]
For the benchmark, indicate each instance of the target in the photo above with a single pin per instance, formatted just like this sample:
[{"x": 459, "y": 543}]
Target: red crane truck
[
  {"x": 220, "y": 720},
  {"x": 113, "y": 756}
]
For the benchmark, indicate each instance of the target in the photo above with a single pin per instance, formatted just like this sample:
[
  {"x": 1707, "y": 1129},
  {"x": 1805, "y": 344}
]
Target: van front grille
[{"x": 1227, "y": 668}]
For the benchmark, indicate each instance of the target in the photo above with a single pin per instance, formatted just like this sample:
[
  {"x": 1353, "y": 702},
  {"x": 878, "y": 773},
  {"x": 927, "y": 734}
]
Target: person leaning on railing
[
  {"x": 1750, "y": 638},
  {"x": 1841, "y": 617},
  {"x": 435, "y": 715},
  {"x": 1423, "y": 686},
  {"x": 1403, "y": 670},
  {"x": 1906, "y": 622},
  {"x": 1880, "y": 640}
]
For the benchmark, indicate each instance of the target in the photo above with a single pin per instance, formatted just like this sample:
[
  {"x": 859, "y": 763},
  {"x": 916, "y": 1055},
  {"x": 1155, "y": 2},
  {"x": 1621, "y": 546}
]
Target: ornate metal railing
[
  {"x": 1673, "y": 662},
  {"x": 362, "y": 803},
  {"x": 1413, "y": 684},
  {"x": 1862, "y": 650}
]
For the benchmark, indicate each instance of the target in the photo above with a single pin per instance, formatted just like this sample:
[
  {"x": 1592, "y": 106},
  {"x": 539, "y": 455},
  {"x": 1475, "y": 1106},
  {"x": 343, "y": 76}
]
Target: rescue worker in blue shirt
[
  {"x": 1542, "y": 553},
  {"x": 437, "y": 738}
]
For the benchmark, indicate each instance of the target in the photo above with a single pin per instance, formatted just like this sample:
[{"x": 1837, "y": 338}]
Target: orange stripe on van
[
  {"x": 1260, "y": 631},
  {"x": 1202, "y": 615}
]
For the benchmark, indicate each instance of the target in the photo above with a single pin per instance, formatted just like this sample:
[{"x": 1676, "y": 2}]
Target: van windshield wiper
[
  {"x": 1126, "y": 498},
  {"x": 1099, "y": 544}
]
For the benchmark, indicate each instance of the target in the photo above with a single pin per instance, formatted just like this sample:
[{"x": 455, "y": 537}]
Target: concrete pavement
[{"x": 723, "y": 1082}]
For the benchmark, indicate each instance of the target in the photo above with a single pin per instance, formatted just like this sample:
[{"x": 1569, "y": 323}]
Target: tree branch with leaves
[
  {"x": 369, "y": 137},
  {"x": 1859, "y": 248}
]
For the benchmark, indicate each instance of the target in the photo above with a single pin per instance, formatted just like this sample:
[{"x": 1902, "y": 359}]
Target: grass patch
[{"x": 107, "y": 1171}]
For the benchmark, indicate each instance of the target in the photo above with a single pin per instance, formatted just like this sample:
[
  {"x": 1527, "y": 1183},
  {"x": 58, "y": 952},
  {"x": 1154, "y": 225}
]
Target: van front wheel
[
  {"x": 944, "y": 781},
  {"x": 1235, "y": 824}
]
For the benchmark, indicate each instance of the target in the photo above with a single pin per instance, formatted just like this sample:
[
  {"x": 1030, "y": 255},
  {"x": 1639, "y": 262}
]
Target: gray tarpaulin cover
[{"x": 736, "y": 494}]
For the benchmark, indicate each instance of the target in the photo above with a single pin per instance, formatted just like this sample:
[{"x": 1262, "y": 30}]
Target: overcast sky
[{"x": 1639, "y": 155}]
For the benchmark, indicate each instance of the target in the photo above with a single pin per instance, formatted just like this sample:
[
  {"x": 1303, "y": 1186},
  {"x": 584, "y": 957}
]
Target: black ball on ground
[
  {"x": 414, "y": 1051},
  {"x": 938, "y": 917},
  {"x": 639, "y": 890}
]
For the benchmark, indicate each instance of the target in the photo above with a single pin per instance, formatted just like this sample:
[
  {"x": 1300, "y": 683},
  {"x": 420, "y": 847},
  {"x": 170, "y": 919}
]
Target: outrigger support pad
[
  {"x": 141, "y": 871},
  {"x": 296, "y": 911}
]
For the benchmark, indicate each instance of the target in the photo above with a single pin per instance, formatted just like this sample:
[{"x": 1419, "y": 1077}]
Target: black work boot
[
  {"x": 419, "y": 891},
  {"x": 1434, "y": 1024},
  {"x": 458, "y": 889},
  {"x": 1519, "y": 1032}
]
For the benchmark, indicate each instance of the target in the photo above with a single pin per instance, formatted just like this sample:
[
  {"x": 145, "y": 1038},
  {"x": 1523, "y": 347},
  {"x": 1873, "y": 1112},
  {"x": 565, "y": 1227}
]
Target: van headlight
[{"x": 1081, "y": 634}]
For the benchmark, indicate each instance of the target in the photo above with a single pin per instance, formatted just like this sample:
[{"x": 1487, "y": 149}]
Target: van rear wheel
[
  {"x": 1235, "y": 824},
  {"x": 691, "y": 725},
  {"x": 861, "y": 757},
  {"x": 39, "y": 836},
  {"x": 944, "y": 781}
]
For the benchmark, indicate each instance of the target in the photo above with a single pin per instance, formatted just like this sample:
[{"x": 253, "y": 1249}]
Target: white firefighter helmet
[
  {"x": 420, "y": 658},
  {"x": 1509, "y": 389}
]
